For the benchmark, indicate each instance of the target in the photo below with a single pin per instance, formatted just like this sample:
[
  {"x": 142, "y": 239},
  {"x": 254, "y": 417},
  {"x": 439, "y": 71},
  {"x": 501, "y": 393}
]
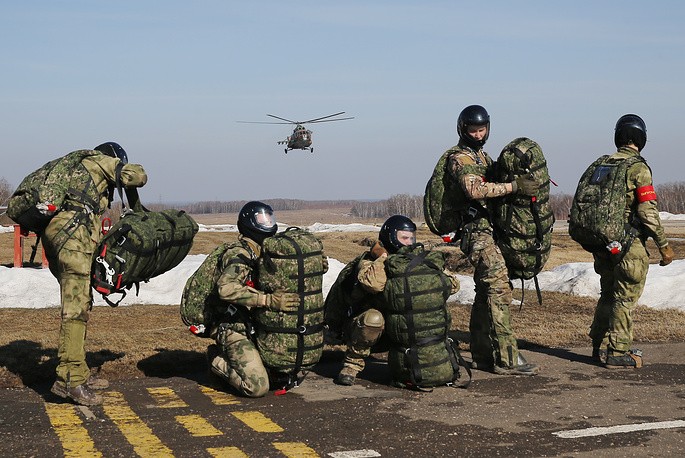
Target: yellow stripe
[
  {"x": 198, "y": 426},
  {"x": 295, "y": 450},
  {"x": 226, "y": 452},
  {"x": 258, "y": 422},
  {"x": 166, "y": 398},
  {"x": 70, "y": 430},
  {"x": 219, "y": 398},
  {"x": 144, "y": 442}
]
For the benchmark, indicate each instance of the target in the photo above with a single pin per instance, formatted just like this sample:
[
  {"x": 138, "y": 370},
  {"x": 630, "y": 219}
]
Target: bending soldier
[
  {"x": 70, "y": 240},
  {"x": 235, "y": 357},
  {"x": 493, "y": 344}
]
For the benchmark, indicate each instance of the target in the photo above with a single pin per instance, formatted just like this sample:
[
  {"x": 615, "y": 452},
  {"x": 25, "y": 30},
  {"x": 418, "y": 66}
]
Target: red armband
[{"x": 645, "y": 193}]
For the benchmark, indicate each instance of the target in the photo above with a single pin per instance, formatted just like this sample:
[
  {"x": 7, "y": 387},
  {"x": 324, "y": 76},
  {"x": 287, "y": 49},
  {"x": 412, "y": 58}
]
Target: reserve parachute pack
[
  {"x": 443, "y": 199},
  {"x": 200, "y": 297},
  {"x": 597, "y": 219},
  {"x": 421, "y": 355},
  {"x": 288, "y": 342},
  {"x": 41, "y": 194},
  {"x": 523, "y": 224},
  {"x": 141, "y": 245}
]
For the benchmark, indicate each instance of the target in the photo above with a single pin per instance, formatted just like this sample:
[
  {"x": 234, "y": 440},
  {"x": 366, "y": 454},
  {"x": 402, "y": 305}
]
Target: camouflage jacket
[
  {"x": 471, "y": 169},
  {"x": 95, "y": 177},
  {"x": 639, "y": 179},
  {"x": 238, "y": 274}
]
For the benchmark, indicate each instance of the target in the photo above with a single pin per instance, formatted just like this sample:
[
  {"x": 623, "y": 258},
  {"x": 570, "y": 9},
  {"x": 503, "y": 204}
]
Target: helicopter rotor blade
[
  {"x": 326, "y": 120},
  {"x": 322, "y": 117},
  {"x": 262, "y": 122},
  {"x": 283, "y": 119}
]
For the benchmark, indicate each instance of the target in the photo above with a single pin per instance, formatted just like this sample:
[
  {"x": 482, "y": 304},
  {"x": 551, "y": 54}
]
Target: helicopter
[{"x": 301, "y": 138}]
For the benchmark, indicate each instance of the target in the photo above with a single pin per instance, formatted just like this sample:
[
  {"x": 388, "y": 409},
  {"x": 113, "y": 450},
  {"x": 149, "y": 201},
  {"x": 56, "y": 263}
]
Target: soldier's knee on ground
[
  {"x": 367, "y": 329},
  {"x": 254, "y": 385}
]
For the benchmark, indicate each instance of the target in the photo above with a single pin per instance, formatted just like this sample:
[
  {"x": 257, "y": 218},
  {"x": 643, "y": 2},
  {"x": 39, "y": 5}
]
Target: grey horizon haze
[{"x": 169, "y": 79}]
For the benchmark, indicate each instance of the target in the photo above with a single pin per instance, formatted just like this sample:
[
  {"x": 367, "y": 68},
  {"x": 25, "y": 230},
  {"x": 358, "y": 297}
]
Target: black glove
[{"x": 526, "y": 186}]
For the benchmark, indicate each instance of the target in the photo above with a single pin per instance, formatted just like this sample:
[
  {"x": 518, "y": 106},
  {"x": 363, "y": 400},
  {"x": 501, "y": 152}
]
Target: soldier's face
[
  {"x": 477, "y": 132},
  {"x": 406, "y": 238}
]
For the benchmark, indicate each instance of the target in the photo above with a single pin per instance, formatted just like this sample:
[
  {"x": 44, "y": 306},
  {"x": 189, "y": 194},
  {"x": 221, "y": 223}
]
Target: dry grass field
[{"x": 150, "y": 340}]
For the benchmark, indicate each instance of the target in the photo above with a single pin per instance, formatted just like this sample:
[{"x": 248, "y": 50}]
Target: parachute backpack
[
  {"x": 288, "y": 342},
  {"x": 200, "y": 296},
  {"x": 443, "y": 199},
  {"x": 597, "y": 221},
  {"x": 41, "y": 194},
  {"x": 141, "y": 245},
  {"x": 523, "y": 224},
  {"x": 421, "y": 354}
]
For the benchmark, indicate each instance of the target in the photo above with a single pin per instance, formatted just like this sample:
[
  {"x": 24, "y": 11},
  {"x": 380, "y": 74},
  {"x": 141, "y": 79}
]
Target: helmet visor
[
  {"x": 264, "y": 220},
  {"x": 406, "y": 238}
]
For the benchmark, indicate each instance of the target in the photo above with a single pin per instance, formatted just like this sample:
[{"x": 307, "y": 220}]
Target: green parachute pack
[
  {"x": 200, "y": 297},
  {"x": 597, "y": 219},
  {"x": 443, "y": 199},
  {"x": 523, "y": 224},
  {"x": 141, "y": 245},
  {"x": 421, "y": 355},
  {"x": 288, "y": 342},
  {"x": 41, "y": 194}
]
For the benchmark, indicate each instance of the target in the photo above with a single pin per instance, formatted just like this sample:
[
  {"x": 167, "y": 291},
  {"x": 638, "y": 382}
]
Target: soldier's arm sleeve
[
  {"x": 371, "y": 275},
  {"x": 640, "y": 182},
  {"x": 465, "y": 171},
  {"x": 132, "y": 175},
  {"x": 232, "y": 285},
  {"x": 454, "y": 281}
]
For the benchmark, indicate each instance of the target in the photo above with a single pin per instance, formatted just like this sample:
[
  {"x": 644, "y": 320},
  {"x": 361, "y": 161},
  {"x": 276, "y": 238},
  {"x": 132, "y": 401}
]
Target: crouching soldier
[{"x": 235, "y": 357}]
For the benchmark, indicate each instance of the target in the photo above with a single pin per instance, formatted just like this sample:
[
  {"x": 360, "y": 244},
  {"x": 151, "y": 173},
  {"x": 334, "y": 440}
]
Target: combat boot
[
  {"x": 347, "y": 376},
  {"x": 631, "y": 358},
  {"x": 80, "y": 394},
  {"x": 522, "y": 368},
  {"x": 599, "y": 355},
  {"x": 94, "y": 383}
]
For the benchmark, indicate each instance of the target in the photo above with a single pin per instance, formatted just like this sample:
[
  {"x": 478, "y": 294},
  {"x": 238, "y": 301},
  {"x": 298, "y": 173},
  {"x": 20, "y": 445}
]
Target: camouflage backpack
[
  {"x": 291, "y": 261},
  {"x": 597, "y": 216},
  {"x": 417, "y": 321},
  {"x": 47, "y": 186},
  {"x": 200, "y": 298},
  {"x": 443, "y": 199},
  {"x": 523, "y": 225}
]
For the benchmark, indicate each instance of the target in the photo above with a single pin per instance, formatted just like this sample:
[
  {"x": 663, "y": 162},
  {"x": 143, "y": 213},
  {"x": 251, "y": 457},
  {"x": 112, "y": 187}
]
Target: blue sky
[{"x": 169, "y": 79}]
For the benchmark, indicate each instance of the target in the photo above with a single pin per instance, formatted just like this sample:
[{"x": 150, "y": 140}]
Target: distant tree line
[
  {"x": 234, "y": 206},
  {"x": 399, "y": 204}
]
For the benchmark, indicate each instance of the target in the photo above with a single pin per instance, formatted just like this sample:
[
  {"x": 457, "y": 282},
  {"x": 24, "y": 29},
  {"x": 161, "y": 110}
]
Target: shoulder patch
[{"x": 463, "y": 159}]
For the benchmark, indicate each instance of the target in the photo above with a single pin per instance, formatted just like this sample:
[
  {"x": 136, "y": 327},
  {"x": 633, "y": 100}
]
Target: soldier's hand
[
  {"x": 526, "y": 186},
  {"x": 377, "y": 251},
  {"x": 282, "y": 302},
  {"x": 666, "y": 255}
]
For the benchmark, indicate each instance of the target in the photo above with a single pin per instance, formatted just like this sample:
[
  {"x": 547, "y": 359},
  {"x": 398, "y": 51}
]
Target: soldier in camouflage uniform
[
  {"x": 493, "y": 344},
  {"x": 353, "y": 303},
  {"x": 622, "y": 284},
  {"x": 70, "y": 240},
  {"x": 235, "y": 358}
]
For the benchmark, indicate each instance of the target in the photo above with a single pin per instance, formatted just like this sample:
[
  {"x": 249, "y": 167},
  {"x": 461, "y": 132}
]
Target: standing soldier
[
  {"x": 622, "y": 282},
  {"x": 493, "y": 344},
  {"x": 235, "y": 357},
  {"x": 70, "y": 240}
]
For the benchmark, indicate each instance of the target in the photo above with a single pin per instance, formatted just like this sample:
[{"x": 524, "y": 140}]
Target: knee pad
[{"x": 368, "y": 328}]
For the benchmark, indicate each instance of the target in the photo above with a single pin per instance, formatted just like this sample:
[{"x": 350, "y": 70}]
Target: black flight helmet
[
  {"x": 389, "y": 237},
  {"x": 473, "y": 115},
  {"x": 114, "y": 150},
  {"x": 256, "y": 221},
  {"x": 630, "y": 128}
]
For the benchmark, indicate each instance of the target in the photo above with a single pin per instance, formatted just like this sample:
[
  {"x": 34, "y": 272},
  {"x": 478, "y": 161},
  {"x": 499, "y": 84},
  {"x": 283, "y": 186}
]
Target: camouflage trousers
[
  {"x": 361, "y": 334},
  {"x": 621, "y": 286},
  {"x": 492, "y": 337},
  {"x": 71, "y": 266},
  {"x": 239, "y": 363}
]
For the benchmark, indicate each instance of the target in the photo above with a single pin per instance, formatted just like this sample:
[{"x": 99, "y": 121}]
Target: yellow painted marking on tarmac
[
  {"x": 295, "y": 450},
  {"x": 226, "y": 452},
  {"x": 74, "y": 437},
  {"x": 198, "y": 426},
  {"x": 137, "y": 433},
  {"x": 166, "y": 398},
  {"x": 258, "y": 422},
  {"x": 219, "y": 398}
]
